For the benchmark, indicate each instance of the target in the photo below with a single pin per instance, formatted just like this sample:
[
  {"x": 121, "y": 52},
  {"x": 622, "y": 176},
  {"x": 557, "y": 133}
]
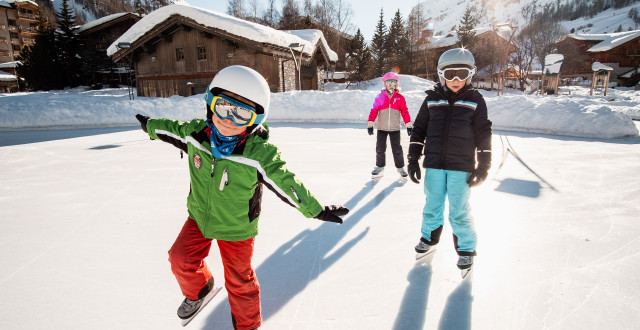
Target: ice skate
[
  {"x": 403, "y": 174},
  {"x": 190, "y": 308},
  {"x": 423, "y": 249},
  {"x": 377, "y": 172},
  {"x": 465, "y": 264}
]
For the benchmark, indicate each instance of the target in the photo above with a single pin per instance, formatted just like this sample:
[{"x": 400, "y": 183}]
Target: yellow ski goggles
[{"x": 225, "y": 107}]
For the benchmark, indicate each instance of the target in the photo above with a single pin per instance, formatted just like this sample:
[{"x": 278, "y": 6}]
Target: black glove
[
  {"x": 370, "y": 130},
  {"x": 332, "y": 213},
  {"x": 143, "y": 121},
  {"x": 478, "y": 176},
  {"x": 415, "y": 172},
  {"x": 409, "y": 131}
]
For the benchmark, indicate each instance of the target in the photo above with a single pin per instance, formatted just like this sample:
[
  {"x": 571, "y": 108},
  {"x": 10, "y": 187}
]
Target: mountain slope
[{"x": 445, "y": 17}]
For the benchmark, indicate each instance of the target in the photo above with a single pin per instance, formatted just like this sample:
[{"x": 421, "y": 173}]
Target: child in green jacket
[{"x": 230, "y": 160}]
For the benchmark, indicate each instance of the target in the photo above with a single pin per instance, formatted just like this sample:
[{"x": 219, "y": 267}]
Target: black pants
[{"x": 396, "y": 148}]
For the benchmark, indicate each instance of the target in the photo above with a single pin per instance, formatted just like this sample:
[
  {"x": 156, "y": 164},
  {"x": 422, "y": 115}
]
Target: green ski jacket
[{"x": 226, "y": 193}]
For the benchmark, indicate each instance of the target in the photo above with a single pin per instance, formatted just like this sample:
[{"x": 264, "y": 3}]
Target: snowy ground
[
  {"x": 87, "y": 216},
  {"x": 571, "y": 113}
]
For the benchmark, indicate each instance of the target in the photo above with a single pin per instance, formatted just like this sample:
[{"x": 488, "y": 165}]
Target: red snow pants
[{"x": 187, "y": 264}]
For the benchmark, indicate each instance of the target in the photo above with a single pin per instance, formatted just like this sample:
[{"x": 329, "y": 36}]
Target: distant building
[
  {"x": 620, "y": 51},
  {"x": 489, "y": 45},
  {"x": 177, "y": 50},
  {"x": 18, "y": 27},
  {"x": 8, "y": 77},
  {"x": 97, "y": 36},
  {"x": 101, "y": 33}
]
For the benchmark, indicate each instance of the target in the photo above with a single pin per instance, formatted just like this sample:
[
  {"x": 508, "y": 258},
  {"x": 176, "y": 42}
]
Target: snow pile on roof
[
  {"x": 18, "y": 1},
  {"x": 313, "y": 36},
  {"x": 597, "y": 66},
  {"x": 7, "y": 77},
  {"x": 552, "y": 63},
  {"x": 452, "y": 37},
  {"x": 99, "y": 21},
  {"x": 607, "y": 41},
  {"x": 9, "y": 65},
  {"x": 229, "y": 24}
]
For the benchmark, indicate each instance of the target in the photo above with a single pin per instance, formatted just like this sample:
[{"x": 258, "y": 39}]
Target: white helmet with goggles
[
  {"x": 242, "y": 81},
  {"x": 457, "y": 63}
]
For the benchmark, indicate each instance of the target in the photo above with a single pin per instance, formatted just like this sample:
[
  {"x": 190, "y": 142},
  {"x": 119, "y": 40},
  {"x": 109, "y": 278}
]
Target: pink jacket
[{"x": 391, "y": 112}]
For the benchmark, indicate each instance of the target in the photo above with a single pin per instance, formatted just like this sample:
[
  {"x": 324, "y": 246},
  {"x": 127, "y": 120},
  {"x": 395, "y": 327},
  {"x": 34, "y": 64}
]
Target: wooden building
[
  {"x": 18, "y": 27},
  {"x": 177, "y": 50},
  {"x": 8, "y": 78},
  {"x": 101, "y": 33},
  {"x": 489, "y": 45},
  {"x": 620, "y": 51},
  {"x": 97, "y": 36}
]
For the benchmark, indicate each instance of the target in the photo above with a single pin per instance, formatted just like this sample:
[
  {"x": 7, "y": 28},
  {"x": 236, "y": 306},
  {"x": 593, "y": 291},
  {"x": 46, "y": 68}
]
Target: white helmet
[
  {"x": 245, "y": 82},
  {"x": 456, "y": 56}
]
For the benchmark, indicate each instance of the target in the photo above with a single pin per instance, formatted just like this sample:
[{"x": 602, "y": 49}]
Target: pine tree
[
  {"x": 68, "y": 47},
  {"x": 466, "y": 35},
  {"x": 379, "y": 47},
  {"x": 398, "y": 45},
  {"x": 35, "y": 65},
  {"x": 359, "y": 59}
]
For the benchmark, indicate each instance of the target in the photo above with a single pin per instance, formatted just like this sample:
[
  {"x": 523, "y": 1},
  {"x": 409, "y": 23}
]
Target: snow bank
[{"x": 575, "y": 114}]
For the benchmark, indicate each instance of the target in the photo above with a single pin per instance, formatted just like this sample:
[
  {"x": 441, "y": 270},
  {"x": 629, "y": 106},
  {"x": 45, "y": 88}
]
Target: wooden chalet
[
  {"x": 489, "y": 45},
  {"x": 101, "y": 33},
  {"x": 178, "y": 49},
  {"x": 620, "y": 51}
]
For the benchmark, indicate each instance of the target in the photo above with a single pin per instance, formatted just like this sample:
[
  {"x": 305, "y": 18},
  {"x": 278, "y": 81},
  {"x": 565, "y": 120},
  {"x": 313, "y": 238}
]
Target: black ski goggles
[{"x": 450, "y": 74}]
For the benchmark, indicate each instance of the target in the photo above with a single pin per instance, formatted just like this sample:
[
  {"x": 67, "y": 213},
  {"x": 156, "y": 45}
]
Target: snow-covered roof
[
  {"x": 552, "y": 63},
  {"x": 9, "y": 65},
  {"x": 7, "y": 77},
  {"x": 229, "y": 24},
  {"x": 607, "y": 42},
  {"x": 314, "y": 36},
  {"x": 630, "y": 73},
  {"x": 101, "y": 21},
  {"x": 597, "y": 66},
  {"x": 451, "y": 38},
  {"x": 24, "y": 1},
  {"x": 4, "y": 4}
]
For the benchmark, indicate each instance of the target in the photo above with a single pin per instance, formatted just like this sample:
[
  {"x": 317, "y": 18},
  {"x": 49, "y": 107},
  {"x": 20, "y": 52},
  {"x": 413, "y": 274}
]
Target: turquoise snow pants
[{"x": 438, "y": 185}]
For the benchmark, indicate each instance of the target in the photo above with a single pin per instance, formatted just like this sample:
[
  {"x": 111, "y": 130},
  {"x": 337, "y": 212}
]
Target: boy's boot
[
  {"x": 189, "y": 307},
  {"x": 377, "y": 172},
  {"x": 402, "y": 172}
]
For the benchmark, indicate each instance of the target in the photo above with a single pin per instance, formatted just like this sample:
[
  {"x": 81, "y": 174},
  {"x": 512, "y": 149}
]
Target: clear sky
[{"x": 365, "y": 12}]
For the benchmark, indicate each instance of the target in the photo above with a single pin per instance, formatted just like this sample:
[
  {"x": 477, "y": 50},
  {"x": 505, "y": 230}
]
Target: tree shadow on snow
[
  {"x": 413, "y": 309},
  {"x": 457, "y": 311},
  {"x": 298, "y": 262},
  {"x": 10, "y": 138}
]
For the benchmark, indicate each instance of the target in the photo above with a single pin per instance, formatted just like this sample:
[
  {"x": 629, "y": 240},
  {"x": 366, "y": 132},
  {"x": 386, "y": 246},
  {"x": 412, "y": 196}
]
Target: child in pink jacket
[{"x": 390, "y": 108}]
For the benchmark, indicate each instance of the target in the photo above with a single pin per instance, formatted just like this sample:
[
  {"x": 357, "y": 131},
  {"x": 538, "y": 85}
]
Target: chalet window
[
  {"x": 13, "y": 35},
  {"x": 12, "y": 22},
  {"x": 179, "y": 54},
  {"x": 202, "y": 53}
]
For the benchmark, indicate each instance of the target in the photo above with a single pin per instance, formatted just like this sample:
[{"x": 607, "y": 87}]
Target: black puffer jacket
[{"x": 450, "y": 128}]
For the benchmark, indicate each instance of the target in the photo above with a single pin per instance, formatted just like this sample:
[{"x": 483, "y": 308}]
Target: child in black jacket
[{"x": 452, "y": 129}]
